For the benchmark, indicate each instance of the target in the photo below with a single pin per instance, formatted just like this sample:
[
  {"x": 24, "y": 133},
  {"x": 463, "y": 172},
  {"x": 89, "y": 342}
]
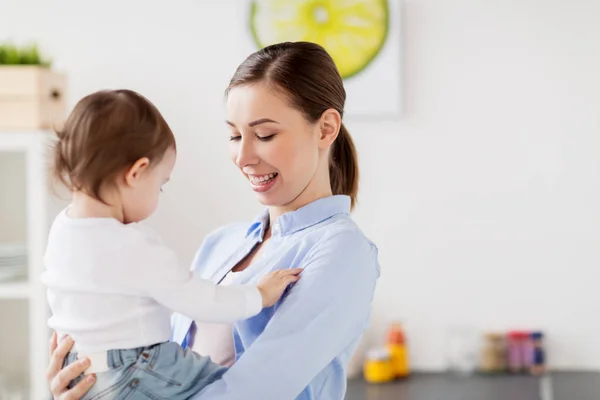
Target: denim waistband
[{"x": 114, "y": 358}]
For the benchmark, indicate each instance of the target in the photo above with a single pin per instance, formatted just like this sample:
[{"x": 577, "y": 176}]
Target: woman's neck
[
  {"x": 267, "y": 234},
  {"x": 299, "y": 202},
  {"x": 318, "y": 188}
]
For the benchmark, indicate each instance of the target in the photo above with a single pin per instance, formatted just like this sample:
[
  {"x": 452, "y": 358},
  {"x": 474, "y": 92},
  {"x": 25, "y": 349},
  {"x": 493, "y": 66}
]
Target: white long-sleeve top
[{"x": 114, "y": 286}]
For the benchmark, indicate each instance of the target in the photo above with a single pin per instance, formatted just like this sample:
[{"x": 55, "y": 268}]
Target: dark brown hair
[
  {"x": 106, "y": 133},
  {"x": 307, "y": 75}
]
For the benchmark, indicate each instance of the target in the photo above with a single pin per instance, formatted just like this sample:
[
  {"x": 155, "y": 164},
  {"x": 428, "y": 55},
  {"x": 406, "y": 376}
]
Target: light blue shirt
[{"x": 299, "y": 348}]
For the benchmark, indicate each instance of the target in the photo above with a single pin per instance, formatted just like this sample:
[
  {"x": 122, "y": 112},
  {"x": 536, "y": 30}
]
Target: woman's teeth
[{"x": 261, "y": 179}]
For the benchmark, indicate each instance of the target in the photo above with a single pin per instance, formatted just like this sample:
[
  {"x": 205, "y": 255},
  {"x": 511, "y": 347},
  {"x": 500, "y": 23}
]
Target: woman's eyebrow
[{"x": 255, "y": 122}]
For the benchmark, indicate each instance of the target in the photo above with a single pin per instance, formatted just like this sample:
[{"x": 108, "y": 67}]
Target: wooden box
[{"x": 31, "y": 97}]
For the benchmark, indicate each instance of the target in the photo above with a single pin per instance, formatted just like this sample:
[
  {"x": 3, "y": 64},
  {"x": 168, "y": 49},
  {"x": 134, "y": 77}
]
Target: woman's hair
[
  {"x": 307, "y": 75},
  {"x": 104, "y": 135}
]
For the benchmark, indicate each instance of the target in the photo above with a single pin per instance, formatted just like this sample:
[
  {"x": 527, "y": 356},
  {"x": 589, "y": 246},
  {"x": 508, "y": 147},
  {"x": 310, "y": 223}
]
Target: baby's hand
[{"x": 273, "y": 284}]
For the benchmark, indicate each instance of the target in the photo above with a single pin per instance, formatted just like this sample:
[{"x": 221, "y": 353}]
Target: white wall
[{"x": 484, "y": 198}]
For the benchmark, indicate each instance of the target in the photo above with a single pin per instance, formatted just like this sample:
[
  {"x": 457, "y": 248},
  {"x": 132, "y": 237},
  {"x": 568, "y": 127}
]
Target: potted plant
[{"x": 32, "y": 93}]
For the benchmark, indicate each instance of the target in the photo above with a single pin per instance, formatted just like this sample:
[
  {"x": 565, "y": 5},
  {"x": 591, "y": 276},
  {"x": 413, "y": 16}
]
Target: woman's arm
[{"x": 326, "y": 311}]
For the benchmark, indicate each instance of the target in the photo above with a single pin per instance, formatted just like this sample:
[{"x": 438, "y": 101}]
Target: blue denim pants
[{"x": 163, "y": 371}]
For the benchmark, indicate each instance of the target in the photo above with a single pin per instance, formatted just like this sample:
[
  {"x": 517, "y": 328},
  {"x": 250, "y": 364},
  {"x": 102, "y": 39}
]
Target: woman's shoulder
[
  {"x": 337, "y": 241},
  {"x": 338, "y": 250},
  {"x": 341, "y": 228}
]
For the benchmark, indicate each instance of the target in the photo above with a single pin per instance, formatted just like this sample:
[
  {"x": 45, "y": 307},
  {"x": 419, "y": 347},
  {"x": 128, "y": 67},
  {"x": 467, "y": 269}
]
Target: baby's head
[{"x": 117, "y": 148}]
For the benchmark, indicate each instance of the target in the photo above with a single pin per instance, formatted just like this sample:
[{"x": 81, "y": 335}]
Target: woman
[{"x": 284, "y": 112}]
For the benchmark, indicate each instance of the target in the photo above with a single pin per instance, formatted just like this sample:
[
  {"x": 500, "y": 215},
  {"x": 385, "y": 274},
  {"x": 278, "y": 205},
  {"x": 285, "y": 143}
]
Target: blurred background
[{"x": 479, "y": 150}]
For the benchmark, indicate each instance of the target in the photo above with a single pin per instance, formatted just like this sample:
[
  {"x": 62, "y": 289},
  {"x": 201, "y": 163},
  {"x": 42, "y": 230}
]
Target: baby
[{"x": 112, "y": 284}]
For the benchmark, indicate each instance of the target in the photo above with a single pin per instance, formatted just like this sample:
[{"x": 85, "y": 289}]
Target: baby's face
[{"x": 141, "y": 199}]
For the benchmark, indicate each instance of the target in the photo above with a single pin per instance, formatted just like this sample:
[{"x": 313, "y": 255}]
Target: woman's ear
[
  {"x": 330, "y": 124},
  {"x": 133, "y": 174}
]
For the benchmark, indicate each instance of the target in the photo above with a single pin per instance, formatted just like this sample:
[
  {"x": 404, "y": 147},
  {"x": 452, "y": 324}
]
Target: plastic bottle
[
  {"x": 538, "y": 362},
  {"x": 517, "y": 351},
  {"x": 396, "y": 344}
]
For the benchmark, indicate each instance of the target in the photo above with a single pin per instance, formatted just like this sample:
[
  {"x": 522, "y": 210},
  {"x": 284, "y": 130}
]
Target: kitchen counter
[{"x": 440, "y": 386}]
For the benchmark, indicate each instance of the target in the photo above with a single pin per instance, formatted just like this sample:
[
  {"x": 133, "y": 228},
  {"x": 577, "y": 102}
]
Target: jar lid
[
  {"x": 537, "y": 335},
  {"x": 518, "y": 334},
  {"x": 378, "y": 354},
  {"x": 494, "y": 335}
]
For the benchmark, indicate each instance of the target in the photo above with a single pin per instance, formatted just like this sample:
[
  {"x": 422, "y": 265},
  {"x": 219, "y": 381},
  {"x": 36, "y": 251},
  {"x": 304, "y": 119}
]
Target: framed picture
[{"x": 362, "y": 36}]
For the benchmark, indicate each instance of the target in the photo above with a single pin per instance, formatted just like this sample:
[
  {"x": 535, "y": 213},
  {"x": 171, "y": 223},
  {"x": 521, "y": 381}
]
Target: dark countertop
[{"x": 439, "y": 386}]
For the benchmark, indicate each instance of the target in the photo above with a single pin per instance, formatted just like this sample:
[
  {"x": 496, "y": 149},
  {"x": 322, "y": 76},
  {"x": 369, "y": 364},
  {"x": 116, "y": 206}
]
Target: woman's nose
[{"x": 246, "y": 154}]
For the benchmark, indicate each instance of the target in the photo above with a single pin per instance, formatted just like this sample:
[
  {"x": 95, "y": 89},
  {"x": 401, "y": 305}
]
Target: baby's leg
[
  {"x": 109, "y": 385},
  {"x": 167, "y": 371}
]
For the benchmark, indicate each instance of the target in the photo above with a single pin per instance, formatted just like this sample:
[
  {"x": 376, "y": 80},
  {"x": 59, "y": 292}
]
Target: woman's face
[{"x": 278, "y": 150}]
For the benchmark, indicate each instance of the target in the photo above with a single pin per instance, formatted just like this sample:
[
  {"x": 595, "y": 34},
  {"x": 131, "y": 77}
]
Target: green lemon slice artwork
[{"x": 352, "y": 31}]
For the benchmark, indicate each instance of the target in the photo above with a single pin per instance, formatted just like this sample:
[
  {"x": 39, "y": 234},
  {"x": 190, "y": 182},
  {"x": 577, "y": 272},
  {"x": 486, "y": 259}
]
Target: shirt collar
[{"x": 304, "y": 217}]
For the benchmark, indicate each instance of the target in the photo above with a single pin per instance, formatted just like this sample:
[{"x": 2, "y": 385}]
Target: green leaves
[{"x": 11, "y": 54}]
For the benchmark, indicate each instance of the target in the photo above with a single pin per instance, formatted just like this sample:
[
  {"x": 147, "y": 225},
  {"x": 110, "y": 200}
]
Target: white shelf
[
  {"x": 15, "y": 290},
  {"x": 34, "y": 145}
]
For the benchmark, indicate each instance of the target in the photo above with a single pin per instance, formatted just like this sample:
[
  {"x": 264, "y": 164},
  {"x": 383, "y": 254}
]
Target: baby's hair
[{"x": 106, "y": 133}]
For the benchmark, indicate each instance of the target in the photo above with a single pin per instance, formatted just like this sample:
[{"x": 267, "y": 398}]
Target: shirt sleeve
[
  {"x": 324, "y": 313},
  {"x": 154, "y": 270}
]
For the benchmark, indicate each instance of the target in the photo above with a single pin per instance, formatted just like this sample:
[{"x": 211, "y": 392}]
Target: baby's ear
[{"x": 134, "y": 172}]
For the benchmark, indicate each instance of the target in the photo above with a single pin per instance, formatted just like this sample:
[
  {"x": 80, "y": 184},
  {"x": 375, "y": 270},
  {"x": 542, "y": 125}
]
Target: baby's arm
[
  {"x": 161, "y": 277},
  {"x": 202, "y": 300}
]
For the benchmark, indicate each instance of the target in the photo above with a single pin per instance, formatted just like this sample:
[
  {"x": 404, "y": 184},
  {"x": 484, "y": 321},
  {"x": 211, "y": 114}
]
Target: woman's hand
[{"x": 59, "y": 377}]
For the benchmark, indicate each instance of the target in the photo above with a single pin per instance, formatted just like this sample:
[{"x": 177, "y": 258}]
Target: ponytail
[{"x": 343, "y": 166}]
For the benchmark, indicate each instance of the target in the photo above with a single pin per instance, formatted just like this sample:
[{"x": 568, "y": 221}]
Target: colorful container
[
  {"x": 517, "y": 351},
  {"x": 378, "y": 366},
  {"x": 538, "y": 354},
  {"x": 493, "y": 353},
  {"x": 396, "y": 345}
]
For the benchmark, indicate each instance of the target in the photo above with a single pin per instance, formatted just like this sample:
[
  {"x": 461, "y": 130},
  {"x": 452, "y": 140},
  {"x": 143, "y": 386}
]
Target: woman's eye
[
  {"x": 234, "y": 138},
  {"x": 265, "y": 138}
]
